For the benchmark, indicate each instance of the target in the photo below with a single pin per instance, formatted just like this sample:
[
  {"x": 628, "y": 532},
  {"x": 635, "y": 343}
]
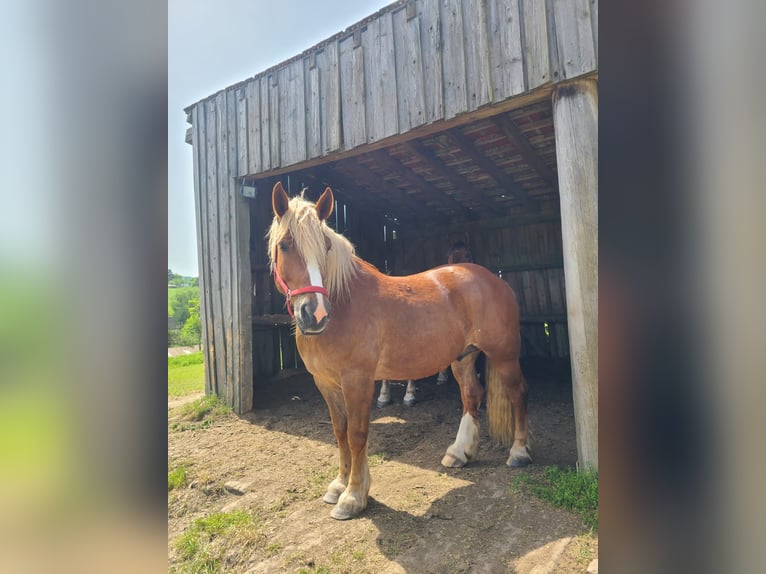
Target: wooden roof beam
[
  {"x": 416, "y": 181},
  {"x": 531, "y": 157},
  {"x": 379, "y": 187},
  {"x": 418, "y": 148},
  {"x": 489, "y": 167},
  {"x": 349, "y": 191}
]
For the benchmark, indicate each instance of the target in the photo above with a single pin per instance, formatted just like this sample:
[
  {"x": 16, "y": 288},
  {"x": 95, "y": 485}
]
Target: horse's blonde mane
[{"x": 311, "y": 237}]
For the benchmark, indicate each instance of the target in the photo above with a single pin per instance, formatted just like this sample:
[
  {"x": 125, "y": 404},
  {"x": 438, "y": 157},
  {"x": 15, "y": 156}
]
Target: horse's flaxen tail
[{"x": 499, "y": 411}]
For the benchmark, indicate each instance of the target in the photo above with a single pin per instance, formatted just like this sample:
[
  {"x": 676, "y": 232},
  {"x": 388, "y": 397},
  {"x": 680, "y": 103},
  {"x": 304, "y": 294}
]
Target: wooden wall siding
[
  {"x": 327, "y": 64},
  {"x": 198, "y": 162},
  {"x": 412, "y": 64},
  {"x": 530, "y": 258},
  {"x": 380, "y": 79},
  {"x": 352, "y": 90},
  {"x": 223, "y": 247},
  {"x": 505, "y": 57},
  {"x": 536, "y": 56},
  {"x": 575, "y": 38}
]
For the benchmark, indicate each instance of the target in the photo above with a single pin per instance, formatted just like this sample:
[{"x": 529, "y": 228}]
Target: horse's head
[{"x": 298, "y": 245}]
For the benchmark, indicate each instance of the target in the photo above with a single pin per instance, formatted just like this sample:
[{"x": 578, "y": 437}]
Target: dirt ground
[{"x": 421, "y": 517}]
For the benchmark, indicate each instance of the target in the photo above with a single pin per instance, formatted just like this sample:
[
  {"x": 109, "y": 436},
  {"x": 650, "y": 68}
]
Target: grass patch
[
  {"x": 186, "y": 375},
  {"x": 177, "y": 477},
  {"x": 569, "y": 489},
  {"x": 186, "y": 360},
  {"x": 201, "y": 413},
  {"x": 204, "y": 545}
]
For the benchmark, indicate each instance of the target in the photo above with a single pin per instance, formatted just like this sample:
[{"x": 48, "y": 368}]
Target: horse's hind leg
[
  {"x": 333, "y": 396},
  {"x": 471, "y": 392},
  {"x": 384, "y": 398},
  {"x": 510, "y": 373}
]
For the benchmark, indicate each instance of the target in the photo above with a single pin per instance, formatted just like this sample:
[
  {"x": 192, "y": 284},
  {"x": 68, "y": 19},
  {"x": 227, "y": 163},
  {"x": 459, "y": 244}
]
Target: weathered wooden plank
[
  {"x": 430, "y": 39},
  {"x": 244, "y": 301},
  {"x": 505, "y": 53},
  {"x": 275, "y": 128},
  {"x": 409, "y": 71},
  {"x": 233, "y": 338},
  {"x": 292, "y": 114},
  {"x": 574, "y": 38},
  {"x": 555, "y": 278},
  {"x": 352, "y": 94},
  {"x": 313, "y": 108},
  {"x": 242, "y": 133},
  {"x": 329, "y": 90},
  {"x": 265, "y": 124},
  {"x": 594, "y": 26},
  {"x": 253, "y": 95},
  {"x": 224, "y": 240},
  {"x": 477, "y": 67},
  {"x": 453, "y": 54},
  {"x": 380, "y": 78},
  {"x": 198, "y": 161},
  {"x": 213, "y": 193},
  {"x": 575, "y": 118},
  {"x": 536, "y": 42}
]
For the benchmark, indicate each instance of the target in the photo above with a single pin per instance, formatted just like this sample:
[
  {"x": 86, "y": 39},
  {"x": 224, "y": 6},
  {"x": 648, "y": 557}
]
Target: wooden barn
[{"x": 433, "y": 121}]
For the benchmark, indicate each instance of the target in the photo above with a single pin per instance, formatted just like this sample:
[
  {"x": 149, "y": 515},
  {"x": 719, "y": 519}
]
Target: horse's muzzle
[{"x": 311, "y": 315}]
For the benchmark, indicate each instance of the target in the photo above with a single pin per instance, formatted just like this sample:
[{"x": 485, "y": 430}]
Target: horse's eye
[{"x": 284, "y": 246}]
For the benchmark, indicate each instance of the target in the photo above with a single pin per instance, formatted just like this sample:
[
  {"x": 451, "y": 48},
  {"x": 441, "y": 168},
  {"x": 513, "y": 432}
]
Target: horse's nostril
[{"x": 305, "y": 313}]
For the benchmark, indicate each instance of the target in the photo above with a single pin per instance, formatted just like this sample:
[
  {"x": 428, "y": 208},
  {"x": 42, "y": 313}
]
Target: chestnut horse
[
  {"x": 356, "y": 325},
  {"x": 458, "y": 253}
]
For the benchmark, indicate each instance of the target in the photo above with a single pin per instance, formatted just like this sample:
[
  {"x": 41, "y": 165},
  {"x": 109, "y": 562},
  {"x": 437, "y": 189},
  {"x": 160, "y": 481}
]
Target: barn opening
[{"x": 433, "y": 122}]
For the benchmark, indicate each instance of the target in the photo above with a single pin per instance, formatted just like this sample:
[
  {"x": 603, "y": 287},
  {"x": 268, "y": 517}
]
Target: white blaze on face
[{"x": 316, "y": 280}]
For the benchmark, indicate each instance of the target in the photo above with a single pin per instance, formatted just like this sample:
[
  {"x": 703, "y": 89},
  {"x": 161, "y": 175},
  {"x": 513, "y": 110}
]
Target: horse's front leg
[
  {"x": 333, "y": 396},
  {"x": 358, "y": 391}
]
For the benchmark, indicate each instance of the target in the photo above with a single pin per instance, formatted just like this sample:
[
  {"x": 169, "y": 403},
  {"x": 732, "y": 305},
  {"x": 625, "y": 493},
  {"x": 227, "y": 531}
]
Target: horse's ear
[
  {"x": 279, "y": 200},
  {"x": 325, "y": 204}
]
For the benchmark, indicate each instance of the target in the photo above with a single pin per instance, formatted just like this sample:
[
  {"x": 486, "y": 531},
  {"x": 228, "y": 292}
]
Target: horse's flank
[{"x": 428, "y": 319}]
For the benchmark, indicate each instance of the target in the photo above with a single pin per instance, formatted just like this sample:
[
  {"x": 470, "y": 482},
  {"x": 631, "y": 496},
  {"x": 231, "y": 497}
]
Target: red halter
[{"x": 302, "y": 291}]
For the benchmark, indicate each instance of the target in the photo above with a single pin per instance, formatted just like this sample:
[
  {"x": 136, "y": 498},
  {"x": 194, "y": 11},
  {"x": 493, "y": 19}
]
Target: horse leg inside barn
[
  {"x": 471, "y": 392},
  {"x": 333, "y": 396},
  {"x": 507, "y": 396},
  {"x": 409, "y": 395},
  {"x": 520, "y": 454},
  {"x": 358, "y": 392}
]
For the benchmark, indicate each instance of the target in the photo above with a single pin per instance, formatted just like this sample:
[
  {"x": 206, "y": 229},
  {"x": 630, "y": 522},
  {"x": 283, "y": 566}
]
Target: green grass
[
  {"x": 569, "y": 489},
  {"x": 200, "y": 413},
  {"x": 186, "y": 375},
  {"x": 202, "y": 547},
  {"x": 177, "y": 477}
]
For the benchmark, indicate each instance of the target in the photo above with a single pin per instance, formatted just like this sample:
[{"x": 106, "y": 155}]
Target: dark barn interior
[{"x": 491, "y": 184}]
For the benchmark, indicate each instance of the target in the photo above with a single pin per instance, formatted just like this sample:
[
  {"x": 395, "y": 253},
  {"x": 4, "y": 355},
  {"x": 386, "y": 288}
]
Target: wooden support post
[{"x": 575, "y": 119}]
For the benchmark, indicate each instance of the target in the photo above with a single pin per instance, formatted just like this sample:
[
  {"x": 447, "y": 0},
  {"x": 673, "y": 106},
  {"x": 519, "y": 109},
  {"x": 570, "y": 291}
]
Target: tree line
[{"x": 183, "y": 308}]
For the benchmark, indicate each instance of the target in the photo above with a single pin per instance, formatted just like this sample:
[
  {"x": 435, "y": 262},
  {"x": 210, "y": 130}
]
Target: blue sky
[{"x": 212, "y": 45}]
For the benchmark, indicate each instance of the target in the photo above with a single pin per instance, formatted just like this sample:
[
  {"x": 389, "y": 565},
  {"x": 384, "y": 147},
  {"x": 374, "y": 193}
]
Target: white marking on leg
[
  {"x": 385, "y": 394},
  {"x": 467, "y": 440},
  {"x": 315, "y": 277},
  {"x": 409, "y": 396}
]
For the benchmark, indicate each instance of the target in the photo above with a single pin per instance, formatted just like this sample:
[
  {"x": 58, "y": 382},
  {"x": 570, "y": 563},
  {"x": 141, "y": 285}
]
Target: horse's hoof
[
  {"x": 382, "y": 404},
  {"x": 519, "y": 456},
  {"x": 410, "y": 402},
  {"x": 441, "y": 381},
  {"x": 338, "y": 514},
  {"x": 451, "y": 461},
  {"x": 331, "y": 498}
]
